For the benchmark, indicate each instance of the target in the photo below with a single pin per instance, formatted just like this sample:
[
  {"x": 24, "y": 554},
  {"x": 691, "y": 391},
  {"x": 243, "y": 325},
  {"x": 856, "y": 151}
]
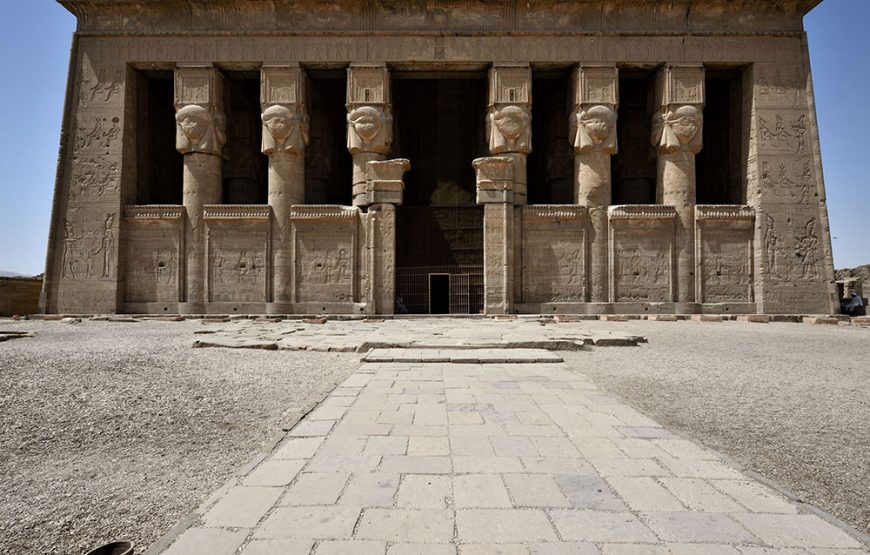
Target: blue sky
[{"x": 34, "y": 49}]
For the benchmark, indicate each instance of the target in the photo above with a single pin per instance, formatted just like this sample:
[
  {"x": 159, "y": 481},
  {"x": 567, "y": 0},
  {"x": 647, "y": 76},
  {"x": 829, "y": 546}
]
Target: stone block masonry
[{"x": 628, "y": 158}]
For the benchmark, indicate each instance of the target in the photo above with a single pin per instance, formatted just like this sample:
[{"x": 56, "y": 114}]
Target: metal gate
[{"x": 439, "y": 240}]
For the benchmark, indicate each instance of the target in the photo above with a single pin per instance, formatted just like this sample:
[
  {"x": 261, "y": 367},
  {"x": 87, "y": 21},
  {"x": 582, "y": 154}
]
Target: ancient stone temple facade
[{"x": 439, "y": 156}]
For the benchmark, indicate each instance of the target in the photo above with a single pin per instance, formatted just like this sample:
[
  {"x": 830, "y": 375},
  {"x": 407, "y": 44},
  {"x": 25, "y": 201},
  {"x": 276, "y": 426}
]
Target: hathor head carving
[
  {"x": 594, "y": 129},
  {"x": 367, "y": 130},
  {"x": 284, "y": 130},
  {"x": 509, "y": 130},
  {"x": 680, "y": 129},
  {"x": 198, "y": 130}
]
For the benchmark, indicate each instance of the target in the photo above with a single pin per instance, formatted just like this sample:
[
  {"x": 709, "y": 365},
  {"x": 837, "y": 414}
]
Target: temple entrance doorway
[{"x": 439, "y": 124}]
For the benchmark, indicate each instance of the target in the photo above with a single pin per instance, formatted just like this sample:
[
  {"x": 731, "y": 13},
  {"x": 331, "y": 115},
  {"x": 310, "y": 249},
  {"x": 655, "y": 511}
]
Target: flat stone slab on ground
[
  {"x": 467, "y": 356},
  {"x": 430, "y": 333}
]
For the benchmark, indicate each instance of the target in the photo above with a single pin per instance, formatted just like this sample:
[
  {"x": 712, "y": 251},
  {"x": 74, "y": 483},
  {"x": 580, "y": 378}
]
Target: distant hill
[
  {"x": 4, "y": 273},
  {"x": 862, "y": 272}
]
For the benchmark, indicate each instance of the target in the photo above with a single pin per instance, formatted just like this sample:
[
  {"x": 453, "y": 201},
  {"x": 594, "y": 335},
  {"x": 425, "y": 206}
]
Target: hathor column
[
  {"x": 677, "y": 124},
  {"x": 509, "y": 119},
  {"x": 200, "y": 136},
  {"x": 369, "y": 120},
  {"x": 285, "y": 135},
  {"x": 592, "y": 131}
]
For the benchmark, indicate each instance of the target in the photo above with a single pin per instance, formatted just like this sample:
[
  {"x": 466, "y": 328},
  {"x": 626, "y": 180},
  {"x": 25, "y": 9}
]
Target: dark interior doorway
[
  {"x": 551, "y": 162},
  {"x": 633, "y": 168},
  {"x": 718, "y": 165},
  {"x": 439, "y": 293},
  {"x": 328, "y": 164},
  {"x": 245, "y": 168},
  {"x": 439, "y": 125},
  {"x": 159, "y": 166}
]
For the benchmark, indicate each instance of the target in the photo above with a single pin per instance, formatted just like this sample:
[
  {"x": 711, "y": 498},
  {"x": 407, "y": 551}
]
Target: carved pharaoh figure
[
  {"x": 284, "y": 130},
  {"x": 509, "y": 130},
  {"x": 199, "y": 131}
]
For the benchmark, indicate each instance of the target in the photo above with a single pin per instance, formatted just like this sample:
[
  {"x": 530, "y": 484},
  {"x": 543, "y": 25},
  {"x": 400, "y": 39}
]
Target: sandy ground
[
  {"x": 113, "y": 430},
  {"x": 788, "y": 401},
  {"x": 117, "y": 431}
]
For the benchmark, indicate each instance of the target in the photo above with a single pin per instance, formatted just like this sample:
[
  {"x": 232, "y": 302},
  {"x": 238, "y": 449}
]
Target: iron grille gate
[{"x": 439, "y": 241}]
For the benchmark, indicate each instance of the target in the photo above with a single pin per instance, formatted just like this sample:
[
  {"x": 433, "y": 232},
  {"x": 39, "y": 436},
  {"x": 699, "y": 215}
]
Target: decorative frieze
[
  {"x": 236, "y": 212},
  {"x": 724, "y": 212},
  {"x": 554, "y": 212},
  {"x": 322, "y": 212},
  {"x": 641, "y": 212},
  {"x": 153, "y": 212}
]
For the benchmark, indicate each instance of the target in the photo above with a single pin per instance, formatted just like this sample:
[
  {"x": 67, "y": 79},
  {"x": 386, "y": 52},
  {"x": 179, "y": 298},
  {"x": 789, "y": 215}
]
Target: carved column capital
[
  {"x": 384, "y": 183},
  {"x": 369, "y": 115},
  {"x": 509, "y": 117},
  {"x": 678, "y": 116},
  {"x": 494, "y": 179},
  {"x": 199, "y": 110},
  {"x": 285, "y": 118},
  {"x": 592, "y": 124}
]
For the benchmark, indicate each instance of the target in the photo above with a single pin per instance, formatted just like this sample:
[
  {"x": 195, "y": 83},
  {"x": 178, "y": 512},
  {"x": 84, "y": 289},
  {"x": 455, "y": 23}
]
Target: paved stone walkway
[{"x": 445, "y": 458}]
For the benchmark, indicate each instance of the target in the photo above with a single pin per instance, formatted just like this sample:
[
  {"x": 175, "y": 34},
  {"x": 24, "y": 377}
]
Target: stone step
[{"x": 466, "y": 356}]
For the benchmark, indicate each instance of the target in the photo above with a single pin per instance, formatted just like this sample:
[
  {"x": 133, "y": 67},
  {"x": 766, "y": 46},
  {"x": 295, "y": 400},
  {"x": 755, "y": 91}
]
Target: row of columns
[{"x": 677, "y": 120}]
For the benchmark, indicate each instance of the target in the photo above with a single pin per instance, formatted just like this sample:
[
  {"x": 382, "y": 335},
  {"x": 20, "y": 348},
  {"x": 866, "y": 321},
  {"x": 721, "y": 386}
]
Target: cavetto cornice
[{"x": 159, "y": 17}]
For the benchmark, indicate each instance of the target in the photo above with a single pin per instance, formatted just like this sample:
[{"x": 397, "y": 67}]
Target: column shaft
[
  {"x": 202, "y": 185},
  {"x": 286, "y": 188},
  {"x": 593, "y": 190},
  {"x": 676, "y": 174}
]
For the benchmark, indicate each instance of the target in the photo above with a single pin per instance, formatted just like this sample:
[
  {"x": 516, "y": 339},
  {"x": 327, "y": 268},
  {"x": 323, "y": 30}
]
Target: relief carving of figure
[
  {"x": 799, "y": 128},
  {"x": 284, "y": 130},
  {"x": 368, "y": 130},
  {"x": 679, "y": 129},
  {"x": 771, "y": 244},
  {"x": 806, "y": 247},
  {"x": 199, "y": 131},
  {"x": 71, "y": 250},
  {"x": 107, "y": 245},
  {"x": 509, "y": 130},
  {"x": 594, "y": 129}
]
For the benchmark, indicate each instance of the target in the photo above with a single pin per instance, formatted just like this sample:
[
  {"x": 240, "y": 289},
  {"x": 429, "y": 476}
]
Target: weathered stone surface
[{"x": 761, "y": 247}]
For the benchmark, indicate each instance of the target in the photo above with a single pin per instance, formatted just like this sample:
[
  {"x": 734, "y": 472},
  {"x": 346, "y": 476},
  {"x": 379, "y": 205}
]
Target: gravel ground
[
  {"x": 116, "y": 431},
  {"x": 788, "y": 401}
]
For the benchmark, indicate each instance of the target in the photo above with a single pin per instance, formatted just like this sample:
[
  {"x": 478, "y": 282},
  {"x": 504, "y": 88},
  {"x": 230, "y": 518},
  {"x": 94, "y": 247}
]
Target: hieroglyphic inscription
[
  {"x": 153, "y": 261},
  {"x": 642, "y": 268},
  {"x": 554, "y": 263},
  {"x": 237, "y": 257},
  {"x": 726, "y": 265},
  {"x": 324, "y": 264},
  {"x": 783, "y": 133}
]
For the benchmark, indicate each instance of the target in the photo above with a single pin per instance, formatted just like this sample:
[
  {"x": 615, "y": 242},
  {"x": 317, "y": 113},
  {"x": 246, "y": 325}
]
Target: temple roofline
[{"x": 504, "y": 16}]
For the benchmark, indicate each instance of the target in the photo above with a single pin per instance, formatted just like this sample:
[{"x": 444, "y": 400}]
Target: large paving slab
[
  {"x": 510, "y": 458},
  {"x": 410, "y": 333}
]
